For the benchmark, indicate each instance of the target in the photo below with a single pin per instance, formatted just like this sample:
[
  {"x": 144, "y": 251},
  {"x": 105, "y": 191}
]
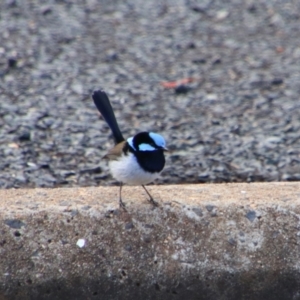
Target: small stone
[
  {"x": 96, "y": 170},
  {"x": 14, "y": 223},
  {"x": 203, "y": 177},
  {"x": 46, "y": 180},
  {"x": 252, "y": 8},
  {"x": 32, "y": 165},
  {"x": 232, "y": 242},
  {"x": 199, "y": 9},
  {"x": 64, "y": 173},
  {"x": 197, "y": 211},
  {"x": 209, "y": 207},
  {"x": 212, "y": 97},
  {"x": 129, "y": 226},
  {"x": 221, "y": 15},
  {"x": 251, "y": 215},
  {"x": 12, "y": 62},
  {"x": 182, "y": 89},
  {"x": 111, "y": 57},
  {"x": 24, "y": 136},
  {"x": 191, "y": 45},
  {"x": 46, "y": 10},
  {"x": 217, "y": 61},
  {"x": 86, "y": 207},
  {"x": 77, "y": 88},
  {"x": 81, "y": 243},
  {"x": 128, "y": 248},
  {"x": 21, "y": 178},
  {"x": 199, "y": 61},
  {"x": 147, "y": 239},
  {"x": 277, "y": 81}
]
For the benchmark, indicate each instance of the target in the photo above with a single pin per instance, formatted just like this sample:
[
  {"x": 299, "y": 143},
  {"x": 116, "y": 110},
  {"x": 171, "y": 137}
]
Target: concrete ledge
[{"x": 226, "y": 241}]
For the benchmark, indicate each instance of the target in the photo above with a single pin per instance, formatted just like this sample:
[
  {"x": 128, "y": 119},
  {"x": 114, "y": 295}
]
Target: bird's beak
[{"x": 165, "y": 149}]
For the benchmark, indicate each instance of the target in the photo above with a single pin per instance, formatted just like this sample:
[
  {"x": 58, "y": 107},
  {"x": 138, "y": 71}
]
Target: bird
[{"x": 139, "y": 159}]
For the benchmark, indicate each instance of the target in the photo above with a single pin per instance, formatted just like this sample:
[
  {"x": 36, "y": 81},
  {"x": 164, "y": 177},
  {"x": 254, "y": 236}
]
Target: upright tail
[{"x": 103, "y": 105}]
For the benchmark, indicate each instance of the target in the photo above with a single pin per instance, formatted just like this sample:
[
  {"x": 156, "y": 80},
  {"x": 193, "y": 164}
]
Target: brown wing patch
[{"x": 115, "y": 152}]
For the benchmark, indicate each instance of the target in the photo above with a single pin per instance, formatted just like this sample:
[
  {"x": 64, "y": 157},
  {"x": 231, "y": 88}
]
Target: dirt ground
[{"x": 218, "y": 79}]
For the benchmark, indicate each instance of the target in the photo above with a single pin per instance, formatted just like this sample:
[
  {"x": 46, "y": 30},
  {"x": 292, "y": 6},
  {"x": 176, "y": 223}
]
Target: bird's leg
[
  {"x": 151, "y": 200},
  {"x": 121, "y": 203}
]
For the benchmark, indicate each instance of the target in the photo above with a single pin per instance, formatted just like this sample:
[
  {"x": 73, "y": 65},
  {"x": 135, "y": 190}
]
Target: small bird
[{"x": 136, "y": 161}]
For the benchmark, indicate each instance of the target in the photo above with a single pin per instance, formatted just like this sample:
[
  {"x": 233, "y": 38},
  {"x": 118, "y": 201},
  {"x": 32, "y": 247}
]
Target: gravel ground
[{"x": 238, "y": 119}]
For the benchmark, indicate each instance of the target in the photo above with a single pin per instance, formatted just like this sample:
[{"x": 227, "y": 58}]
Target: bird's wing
[{"x": 116, "y": 152}]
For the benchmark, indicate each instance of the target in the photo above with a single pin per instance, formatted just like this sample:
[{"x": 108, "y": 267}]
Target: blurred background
[{"x": 218, "y": 79}]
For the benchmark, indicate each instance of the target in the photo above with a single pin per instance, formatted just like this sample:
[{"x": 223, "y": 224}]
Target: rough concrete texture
[{"x": 226, "y": 241}]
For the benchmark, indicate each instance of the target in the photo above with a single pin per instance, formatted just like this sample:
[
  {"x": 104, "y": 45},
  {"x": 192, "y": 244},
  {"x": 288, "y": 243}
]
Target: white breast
[{"x": 127, "y": 170}]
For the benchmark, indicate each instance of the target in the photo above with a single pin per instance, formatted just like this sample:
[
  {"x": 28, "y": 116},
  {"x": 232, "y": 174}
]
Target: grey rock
[
  {"x": 251, "y": 215},
  {"x": 14, "y": 223}
]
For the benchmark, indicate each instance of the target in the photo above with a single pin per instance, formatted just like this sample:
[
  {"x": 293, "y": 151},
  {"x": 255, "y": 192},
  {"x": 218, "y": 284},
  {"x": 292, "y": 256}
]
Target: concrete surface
[{"x": 226, "y": 241}]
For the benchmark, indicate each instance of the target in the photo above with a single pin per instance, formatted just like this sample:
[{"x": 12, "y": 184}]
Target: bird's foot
[
  {"x": 153, "y": 202},
  {"x": 122, "y": 205}
]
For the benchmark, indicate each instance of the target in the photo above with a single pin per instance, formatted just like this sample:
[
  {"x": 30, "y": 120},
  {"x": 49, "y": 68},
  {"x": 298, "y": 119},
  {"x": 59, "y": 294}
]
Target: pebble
[{"x": 251, "y": 215}]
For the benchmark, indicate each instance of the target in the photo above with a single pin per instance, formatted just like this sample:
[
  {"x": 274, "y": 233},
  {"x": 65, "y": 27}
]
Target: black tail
[{"x": 102, "y": 103}]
